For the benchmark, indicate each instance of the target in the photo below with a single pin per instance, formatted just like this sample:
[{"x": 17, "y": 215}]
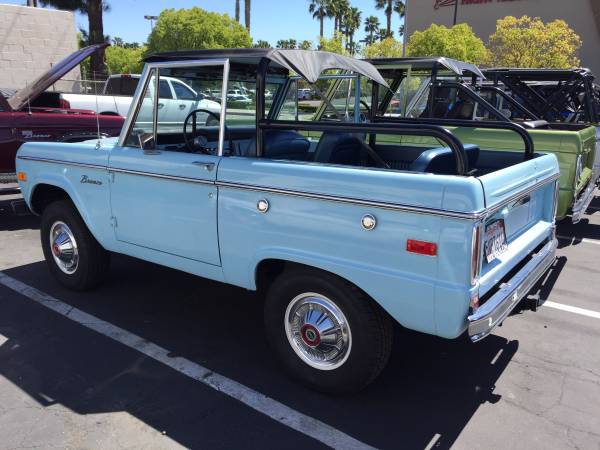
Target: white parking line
[
  {"x": 574, "y": 238},
  {"x": 573, "y": 309},
  {"x": 255, "y": 400}
]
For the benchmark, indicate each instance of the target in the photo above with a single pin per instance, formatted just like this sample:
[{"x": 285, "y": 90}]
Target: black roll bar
[
  {"x": 519, "y": 129},
  {"x": 425, "y": 129}
]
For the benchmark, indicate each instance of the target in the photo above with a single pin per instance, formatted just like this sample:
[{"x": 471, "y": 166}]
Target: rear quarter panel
[{"x": 328, "y": 234}]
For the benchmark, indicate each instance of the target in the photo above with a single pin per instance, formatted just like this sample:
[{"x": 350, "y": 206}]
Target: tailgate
[{"x": 520, "y": 201}]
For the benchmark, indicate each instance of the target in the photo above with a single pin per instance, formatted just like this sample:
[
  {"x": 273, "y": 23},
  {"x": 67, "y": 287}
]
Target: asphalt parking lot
[{"x": 156, "y": 358}]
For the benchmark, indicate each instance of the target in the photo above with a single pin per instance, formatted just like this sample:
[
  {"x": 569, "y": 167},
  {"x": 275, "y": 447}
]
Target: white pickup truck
[{"x": 118, "y": 93}]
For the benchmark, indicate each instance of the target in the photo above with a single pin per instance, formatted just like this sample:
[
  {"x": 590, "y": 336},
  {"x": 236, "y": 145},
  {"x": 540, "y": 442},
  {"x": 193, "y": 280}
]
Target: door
[{"x": 163, "y": 193}]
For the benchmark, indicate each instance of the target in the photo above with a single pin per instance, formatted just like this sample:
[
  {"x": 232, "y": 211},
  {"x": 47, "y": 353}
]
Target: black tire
[
  {"x": 370, "y": 329},
  {"x": 93, "y": 261}
]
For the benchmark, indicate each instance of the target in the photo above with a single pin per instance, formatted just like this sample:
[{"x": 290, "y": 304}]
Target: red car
[{"x": 32, "y": 114}]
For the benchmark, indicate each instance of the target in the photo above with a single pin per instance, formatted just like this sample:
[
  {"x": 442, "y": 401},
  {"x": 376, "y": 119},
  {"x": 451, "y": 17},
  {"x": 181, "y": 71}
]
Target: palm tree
[
  {"x": 371, "y": 27},
  {"x": 318, "y": 9},
  {"x": 237, "y": 11},
  {"x": 351, "y": 24},
  {"x": 247, "y": 14},
  {"x": 94, "y": 10},
  {"x": 390, "y": 7},
  {"x": 336, "y": 9}
]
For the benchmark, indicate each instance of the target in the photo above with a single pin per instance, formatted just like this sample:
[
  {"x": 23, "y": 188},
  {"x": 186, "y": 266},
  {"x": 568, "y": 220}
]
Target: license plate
[{"x": 495, "y": 240}]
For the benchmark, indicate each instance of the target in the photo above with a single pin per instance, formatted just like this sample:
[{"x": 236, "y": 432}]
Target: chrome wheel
[
  {"x": 64, "y": 247},
  {"x": 318, "y": 331}
]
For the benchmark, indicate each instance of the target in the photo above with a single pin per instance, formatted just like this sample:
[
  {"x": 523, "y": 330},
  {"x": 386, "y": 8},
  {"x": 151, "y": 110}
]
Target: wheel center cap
[
  {"x": 56, "y": 250},
  {"x": 310, "y": 335}
]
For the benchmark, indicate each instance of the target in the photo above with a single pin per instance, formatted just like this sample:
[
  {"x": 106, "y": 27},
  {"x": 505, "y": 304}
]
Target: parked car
[
  {"x": 446, "y": 92},
  {"x": 342, "y": 230},
  {"x": 174, "y": 94},
  {"x": 304, "y": 94},
  {"x": 33, "y": 115}
]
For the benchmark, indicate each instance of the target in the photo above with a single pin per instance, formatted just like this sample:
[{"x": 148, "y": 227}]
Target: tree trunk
[
  {"x": 335, "y": 24},
  {"x": 321, "y": 23},
  {"x": 247, "y": 14},
  {"x": 237, "y": 11},
  {"x": 388, "y": 14},
  {"x": 96, "y": 36}
]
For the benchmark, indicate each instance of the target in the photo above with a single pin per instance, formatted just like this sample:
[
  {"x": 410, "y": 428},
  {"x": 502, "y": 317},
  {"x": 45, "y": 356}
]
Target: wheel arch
[{"x": 46, "y": 191}]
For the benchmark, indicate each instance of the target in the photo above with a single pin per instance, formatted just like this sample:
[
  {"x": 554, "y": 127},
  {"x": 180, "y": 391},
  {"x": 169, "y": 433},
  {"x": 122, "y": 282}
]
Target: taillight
[
  {"x": 64, "y": 104},
  {"x": 475, "y": 253},
  {"x": 421, "y": 247}
]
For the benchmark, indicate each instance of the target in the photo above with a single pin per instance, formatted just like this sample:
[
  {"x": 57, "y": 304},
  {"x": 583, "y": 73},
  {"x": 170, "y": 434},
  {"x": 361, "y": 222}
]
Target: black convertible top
[
  {"x": 308, "y": 64},
  {"x": 456, "y": 66},
  {"x": 526, "y": 74}
]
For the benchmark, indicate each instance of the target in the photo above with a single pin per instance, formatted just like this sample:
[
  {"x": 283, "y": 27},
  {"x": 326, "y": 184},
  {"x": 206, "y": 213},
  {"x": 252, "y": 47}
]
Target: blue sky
[{"x": 271, "y": 19}]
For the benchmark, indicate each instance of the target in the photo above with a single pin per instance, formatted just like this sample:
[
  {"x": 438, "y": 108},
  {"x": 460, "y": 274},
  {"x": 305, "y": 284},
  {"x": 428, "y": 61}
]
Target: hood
[{"x": 20, "y": 98}]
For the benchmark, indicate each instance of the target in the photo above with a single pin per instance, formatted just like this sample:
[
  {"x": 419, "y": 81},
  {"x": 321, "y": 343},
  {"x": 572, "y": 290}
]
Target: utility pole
[{"x": 455, "y": 11}]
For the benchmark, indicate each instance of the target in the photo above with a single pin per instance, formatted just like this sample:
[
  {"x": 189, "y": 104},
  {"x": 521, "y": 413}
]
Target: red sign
[{"x": 440, "y": 3}]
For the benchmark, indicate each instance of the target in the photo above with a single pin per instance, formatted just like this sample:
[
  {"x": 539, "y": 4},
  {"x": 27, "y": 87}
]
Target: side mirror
[{"x": 147, "y": 144}]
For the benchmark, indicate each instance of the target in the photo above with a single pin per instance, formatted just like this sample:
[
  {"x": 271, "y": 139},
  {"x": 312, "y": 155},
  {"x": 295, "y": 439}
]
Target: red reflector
[{"x": 421, "y": 247}]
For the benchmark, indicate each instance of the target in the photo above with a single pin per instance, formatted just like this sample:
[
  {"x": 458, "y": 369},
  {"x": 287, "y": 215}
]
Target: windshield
[{"x": 332, "y": 98}]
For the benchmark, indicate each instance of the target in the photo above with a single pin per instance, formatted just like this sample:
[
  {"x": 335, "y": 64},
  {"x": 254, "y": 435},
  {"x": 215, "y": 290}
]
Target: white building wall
[{"x": 31, "y": 40}]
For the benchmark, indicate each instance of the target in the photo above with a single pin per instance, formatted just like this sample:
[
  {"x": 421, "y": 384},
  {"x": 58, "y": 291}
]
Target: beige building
[
  {"x": 582, "y": 15},
  {"x": 31, "y": 40}
]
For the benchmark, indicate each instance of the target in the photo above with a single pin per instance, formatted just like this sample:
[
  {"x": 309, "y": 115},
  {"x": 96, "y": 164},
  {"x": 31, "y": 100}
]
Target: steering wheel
[
  {"x": 190, "y": 144},
  {"x": 362, "y": 102}
]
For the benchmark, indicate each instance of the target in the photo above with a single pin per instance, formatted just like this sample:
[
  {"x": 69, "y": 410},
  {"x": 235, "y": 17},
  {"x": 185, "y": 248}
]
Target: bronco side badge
[{"x": 87, "y": 180}]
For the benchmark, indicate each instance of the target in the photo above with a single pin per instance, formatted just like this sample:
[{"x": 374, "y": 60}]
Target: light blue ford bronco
[{"x": 344, "y": 229}]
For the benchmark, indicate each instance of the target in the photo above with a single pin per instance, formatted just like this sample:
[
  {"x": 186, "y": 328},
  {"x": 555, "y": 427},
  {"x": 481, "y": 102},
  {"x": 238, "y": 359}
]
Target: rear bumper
[
  {"x": 499, "y": 306},
  {"x": 586, "y": 197}
]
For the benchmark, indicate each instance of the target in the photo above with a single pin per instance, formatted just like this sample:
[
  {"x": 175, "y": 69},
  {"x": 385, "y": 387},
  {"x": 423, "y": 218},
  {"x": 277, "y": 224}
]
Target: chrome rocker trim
[{"x": 499, "y": 306}]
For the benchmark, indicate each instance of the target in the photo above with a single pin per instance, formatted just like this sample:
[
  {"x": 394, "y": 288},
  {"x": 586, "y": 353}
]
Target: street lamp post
[
  {"x": 151, "y": 19},
  {"x": 455, "y": 11}
]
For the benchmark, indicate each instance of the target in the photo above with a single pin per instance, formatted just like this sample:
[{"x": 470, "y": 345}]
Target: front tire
[
  {"x": 73, "y": 255},
  {"x": 329, "y": 334}
]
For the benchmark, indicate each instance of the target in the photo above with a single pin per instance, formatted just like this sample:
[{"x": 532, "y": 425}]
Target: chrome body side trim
[
  {"x": 63, "y": 163},
  {"x": 478, "y": 215},
  {"x": 499, "y": 306},
  {"x": 161, "y": 175},
  {"x": 353, "y": 201}
]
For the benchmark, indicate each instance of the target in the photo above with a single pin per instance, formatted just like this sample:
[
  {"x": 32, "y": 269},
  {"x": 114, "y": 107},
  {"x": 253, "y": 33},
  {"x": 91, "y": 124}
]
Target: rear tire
[
  {"x": 302, "y": 308},
  {"x": 73, "y": 255}
]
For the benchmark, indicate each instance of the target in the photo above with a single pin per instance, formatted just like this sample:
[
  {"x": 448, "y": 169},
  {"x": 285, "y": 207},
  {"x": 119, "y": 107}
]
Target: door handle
[
  {"x": 205, "y": 165},
  {"x": 181, "y": 106},
  {"x": 160, "y": 105}
]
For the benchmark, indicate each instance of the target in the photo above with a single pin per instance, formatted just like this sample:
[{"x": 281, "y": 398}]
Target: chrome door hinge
[
  {"x": 111, "y": 177},
  {"x": 113, "y": 222}
]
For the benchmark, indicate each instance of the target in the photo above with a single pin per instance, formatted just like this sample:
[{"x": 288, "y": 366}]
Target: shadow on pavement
[
  {"x": 14, "y": 214},
  {"x": 427, "y": 394}
]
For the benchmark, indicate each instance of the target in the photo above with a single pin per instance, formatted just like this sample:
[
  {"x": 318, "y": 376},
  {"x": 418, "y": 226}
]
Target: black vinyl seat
[
  {"x": 280, "y": 144},
  {"x": 442, "y": 160},
  {"x": 339, "y": 148}
]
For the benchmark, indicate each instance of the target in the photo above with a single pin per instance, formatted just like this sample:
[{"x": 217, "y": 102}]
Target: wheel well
[
  {"x": 44, "y": 194},
  {"x": 269, "y": 269}
]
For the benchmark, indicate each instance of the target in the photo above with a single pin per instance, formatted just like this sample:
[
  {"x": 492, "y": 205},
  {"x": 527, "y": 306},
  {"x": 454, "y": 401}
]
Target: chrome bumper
[
  {"x": 586, "y": 197},
  {"x": 499, "y": 306}
]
